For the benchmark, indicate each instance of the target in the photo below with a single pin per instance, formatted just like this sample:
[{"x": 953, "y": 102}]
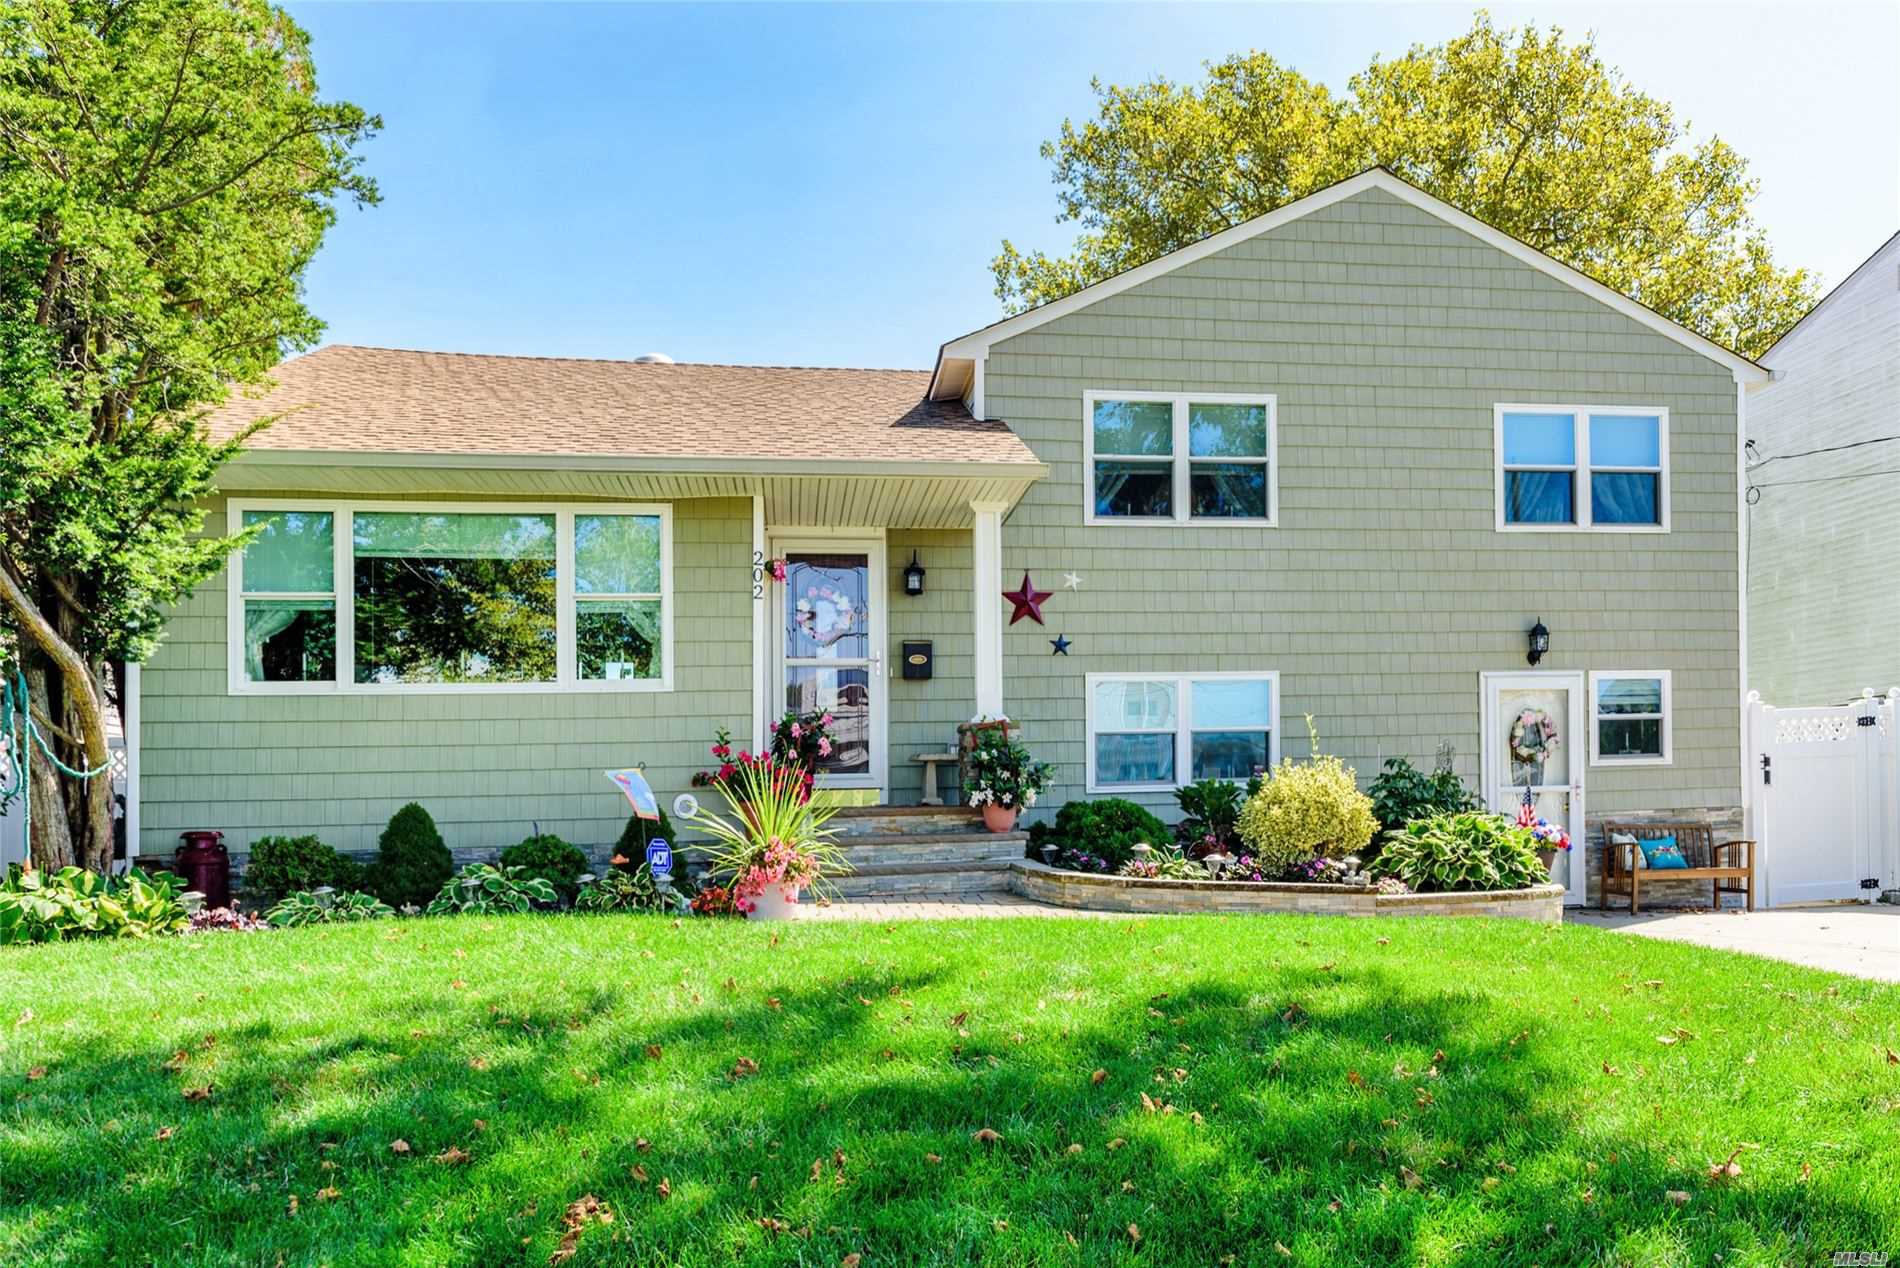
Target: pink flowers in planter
[{"x": 782, "y": 864}]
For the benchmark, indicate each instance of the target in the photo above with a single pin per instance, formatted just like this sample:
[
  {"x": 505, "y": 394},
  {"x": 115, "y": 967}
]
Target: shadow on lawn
[{"x": 1312, "y": 1093}]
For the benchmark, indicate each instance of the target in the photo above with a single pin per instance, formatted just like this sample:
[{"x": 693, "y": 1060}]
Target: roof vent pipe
[{"x": 653, "y": 358}]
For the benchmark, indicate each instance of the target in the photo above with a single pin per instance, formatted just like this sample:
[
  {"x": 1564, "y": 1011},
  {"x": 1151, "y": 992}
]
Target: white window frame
[
  {"x": 1184, "y": 719},
  {"x": 342, "y": 578},
  {"x": 1667, "y": 718},
  {"x": 1182, "y": 465},
  {"x": 1581, "y": 470}
]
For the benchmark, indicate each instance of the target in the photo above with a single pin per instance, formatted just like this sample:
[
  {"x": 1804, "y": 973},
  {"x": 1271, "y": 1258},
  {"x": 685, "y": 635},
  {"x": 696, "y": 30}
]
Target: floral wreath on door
[
  {"x": 1533, "y": 736},
  {"x": 826, "y": 614}
]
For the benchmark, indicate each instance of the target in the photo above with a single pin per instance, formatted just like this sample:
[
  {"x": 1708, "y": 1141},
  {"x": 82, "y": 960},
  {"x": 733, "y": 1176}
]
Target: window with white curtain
[
  {"x": 422, "y": 597},
  {"x": 1161, "y": 731},
  {"x": 1563, "y": 467},
  {"x": 1176, "y": 458}
]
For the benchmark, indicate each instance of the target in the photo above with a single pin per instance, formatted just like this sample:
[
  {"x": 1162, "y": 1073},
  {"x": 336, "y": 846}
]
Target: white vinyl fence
[{"x": 1823, "y": 799}]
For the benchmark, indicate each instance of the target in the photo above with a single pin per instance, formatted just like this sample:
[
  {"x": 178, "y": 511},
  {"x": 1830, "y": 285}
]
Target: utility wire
[
  {"x": 1809, "y": 453},
  {"x": 1858, "y": 475}
]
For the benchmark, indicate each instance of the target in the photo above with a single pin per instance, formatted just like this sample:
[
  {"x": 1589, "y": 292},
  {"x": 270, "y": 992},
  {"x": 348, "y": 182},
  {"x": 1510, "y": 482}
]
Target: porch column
[{"x": 986, "y": 569}]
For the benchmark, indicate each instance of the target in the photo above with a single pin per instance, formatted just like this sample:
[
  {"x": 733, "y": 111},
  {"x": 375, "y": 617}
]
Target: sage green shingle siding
[
  {"x": 1388, "y": 337},
  {"x": 925, "y": 714},
  {"x": 486, "y": 766}
]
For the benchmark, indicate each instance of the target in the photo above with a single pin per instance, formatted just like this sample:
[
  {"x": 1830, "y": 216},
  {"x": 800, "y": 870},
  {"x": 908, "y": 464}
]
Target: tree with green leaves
[
  {"x": 1529, "y": 133},
  {"x": 167, "y": 171}
]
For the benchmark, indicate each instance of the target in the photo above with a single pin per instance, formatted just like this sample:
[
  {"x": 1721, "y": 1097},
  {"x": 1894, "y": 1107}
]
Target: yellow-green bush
[{"x": 1307, "y": 809}]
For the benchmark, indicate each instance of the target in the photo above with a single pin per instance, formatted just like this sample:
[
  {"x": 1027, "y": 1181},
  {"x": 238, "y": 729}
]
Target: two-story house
[{"x": 1340, "y": 461}]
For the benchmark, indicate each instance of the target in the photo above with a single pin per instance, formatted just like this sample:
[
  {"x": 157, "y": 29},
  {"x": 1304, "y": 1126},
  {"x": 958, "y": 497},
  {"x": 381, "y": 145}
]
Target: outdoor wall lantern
[
  {"x": 1540, "y": 642},
  {"x": 914, "y": 577}
]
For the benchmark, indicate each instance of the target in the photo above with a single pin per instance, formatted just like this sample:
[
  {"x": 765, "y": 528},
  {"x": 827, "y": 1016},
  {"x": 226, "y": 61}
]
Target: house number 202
[{"x": 758, "y": 574}]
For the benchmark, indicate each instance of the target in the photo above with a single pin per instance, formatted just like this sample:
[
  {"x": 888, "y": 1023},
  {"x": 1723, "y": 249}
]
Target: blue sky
[{"x": 825, "y": 185}]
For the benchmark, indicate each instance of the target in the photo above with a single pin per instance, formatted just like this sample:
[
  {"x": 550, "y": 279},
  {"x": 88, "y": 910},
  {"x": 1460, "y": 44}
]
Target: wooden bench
[{"x": 1625, "y": 872}]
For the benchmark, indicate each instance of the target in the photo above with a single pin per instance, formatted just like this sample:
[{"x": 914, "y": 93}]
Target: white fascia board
[
  {"x": 977, "y": 343},
  {"x": 252, "y": 459}
]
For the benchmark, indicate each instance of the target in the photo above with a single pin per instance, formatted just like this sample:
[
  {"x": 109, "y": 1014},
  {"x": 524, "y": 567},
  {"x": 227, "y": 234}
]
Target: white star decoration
[{"x": 1072, "y": 581}]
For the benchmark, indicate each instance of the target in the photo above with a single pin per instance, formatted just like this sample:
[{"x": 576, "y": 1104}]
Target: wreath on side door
[{"x": 1533, "y": 735}]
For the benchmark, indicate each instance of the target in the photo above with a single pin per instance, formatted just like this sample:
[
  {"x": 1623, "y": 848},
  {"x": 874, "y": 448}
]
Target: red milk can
[{"x": 206, "y": 866}]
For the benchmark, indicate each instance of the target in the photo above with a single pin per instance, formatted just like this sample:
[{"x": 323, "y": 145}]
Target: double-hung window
[
  {"x": 1630, "y": 717},
  {"x": 423, "y": 597},
  {"x": 1178, "y": 458},
  {"x": 1583, "y": 467},
  {"x": 1160, "y": 731}
]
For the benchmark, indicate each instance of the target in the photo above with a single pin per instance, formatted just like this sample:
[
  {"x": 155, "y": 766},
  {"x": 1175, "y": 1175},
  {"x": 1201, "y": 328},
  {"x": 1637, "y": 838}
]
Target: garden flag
[{"x": 639, "y": 792}]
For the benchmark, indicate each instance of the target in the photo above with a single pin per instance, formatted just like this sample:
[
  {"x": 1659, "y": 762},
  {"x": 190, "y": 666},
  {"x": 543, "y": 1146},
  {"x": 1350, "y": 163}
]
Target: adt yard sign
[{"x": 659, "y": 859}]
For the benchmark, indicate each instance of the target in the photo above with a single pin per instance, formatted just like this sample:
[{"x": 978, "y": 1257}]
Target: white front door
[
  {"x": 831, "y": 643},
  {"x": 1534, "y": 742}
]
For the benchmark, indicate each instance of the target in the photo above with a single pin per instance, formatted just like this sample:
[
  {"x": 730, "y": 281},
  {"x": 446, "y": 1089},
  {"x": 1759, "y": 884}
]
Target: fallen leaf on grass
[
  {"x": 198, "y": 1093},
  {"x": 292, "y": 1208},
  {"x": 933, "y": 1159},
  {"x": 1893, "y": 1058},
  {"x": 1665, "y": 1040},
  {"x": 399, "y": 1146},
  {"x": 1679, "y": 1196},
  {"x": 1075, "y": 1149},
  {"x": 744, "y": 1067},
  {"x": 1116, "y": 1143},
  {"x": 328, "y": 1194},
  {"x": 643, "y": 1144},
  {"x": 163, "y": 1133},
  {"x": 478, "y": 1063},
  {"x": 1410, "y": 1178},
  {"x": 1489, "y": 1183},
  {"x": 1134, "y": 1232},
  {"x": 1101, "y": 1076},
  {"x": 664, "y": 1188},
  {"x": 1728, "y": 1169},
  {"x": 36, "y": 1073},
  {"x": 850, "y": 1261},
  {"x": 580, "y": 1213},
  {"x": 653, "y": 1051},
  {"x": 1282, "y": 1250},
  {"x": 639, "y": 1173},
  {"x": 453, "y": 1156},
  {"x": 986, "y": 1136}
]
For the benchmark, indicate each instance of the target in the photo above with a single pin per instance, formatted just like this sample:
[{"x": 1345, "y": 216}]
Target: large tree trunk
[{"x": 72, "y": 817}]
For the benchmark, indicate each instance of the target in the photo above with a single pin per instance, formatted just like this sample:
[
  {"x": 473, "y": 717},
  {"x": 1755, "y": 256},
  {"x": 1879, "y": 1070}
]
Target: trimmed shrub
[
  {"x": 284, "y": 865},
  {"x": 637, "y": 835},
  {"x": 412, "y": 863},
  {"x": 1471, "y": 851},
  {"x": 1307, "y": 809},
  {"x": 548, "y": 857},
  {"x": 1403, "y": 793},
  {"x": 1106, "y": 828}
]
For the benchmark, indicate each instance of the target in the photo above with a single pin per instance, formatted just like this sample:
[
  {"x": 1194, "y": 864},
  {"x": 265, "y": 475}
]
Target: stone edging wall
[{"x": 1046, "y": 884}]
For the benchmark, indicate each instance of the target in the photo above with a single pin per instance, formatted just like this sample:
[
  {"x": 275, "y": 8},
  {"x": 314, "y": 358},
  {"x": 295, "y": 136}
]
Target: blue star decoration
[{"x": 1061, "y": 644}]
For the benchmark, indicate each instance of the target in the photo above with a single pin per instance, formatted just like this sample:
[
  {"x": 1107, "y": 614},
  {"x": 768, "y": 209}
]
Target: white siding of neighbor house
[{"x": 1824, "y": 554}]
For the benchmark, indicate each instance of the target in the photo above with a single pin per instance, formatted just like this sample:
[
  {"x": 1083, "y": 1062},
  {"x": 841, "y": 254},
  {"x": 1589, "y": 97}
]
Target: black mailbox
[{"x": 917, "y": 660}]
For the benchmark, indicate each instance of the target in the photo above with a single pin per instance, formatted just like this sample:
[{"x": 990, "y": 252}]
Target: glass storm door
[
  {"x": 1534, "y": 743},
  {"x": 830, "y": 651}
]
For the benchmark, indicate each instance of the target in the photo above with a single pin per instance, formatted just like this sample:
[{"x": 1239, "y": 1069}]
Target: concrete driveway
[{"x": 1863, "y": 940}]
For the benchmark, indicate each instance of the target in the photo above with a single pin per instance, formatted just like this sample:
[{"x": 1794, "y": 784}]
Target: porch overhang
[{"x": 815, "y": 492}]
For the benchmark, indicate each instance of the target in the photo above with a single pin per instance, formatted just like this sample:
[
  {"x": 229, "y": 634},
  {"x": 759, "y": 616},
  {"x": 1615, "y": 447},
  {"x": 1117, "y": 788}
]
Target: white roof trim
[{"x": 977, "y": 343}]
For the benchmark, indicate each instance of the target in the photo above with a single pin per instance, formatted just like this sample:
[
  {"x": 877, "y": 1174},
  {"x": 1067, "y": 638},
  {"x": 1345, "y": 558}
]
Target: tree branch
[{"x": 244, "y": 169}]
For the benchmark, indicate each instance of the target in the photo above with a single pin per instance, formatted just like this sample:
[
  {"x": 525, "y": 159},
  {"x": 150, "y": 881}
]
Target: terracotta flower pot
[
  {"x": 1547, "y": 857},
  {"x": 999, "y": 818},
  {"x": 772, "y": 905}
]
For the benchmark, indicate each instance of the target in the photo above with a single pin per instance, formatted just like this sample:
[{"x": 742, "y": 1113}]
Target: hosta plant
[
  {"x": 634, "y": 890},
  {"x": 37, "y": 906},
  {"x": 488, "y": 889},
  {"x": 1164, "y": 864},
  {"x": 1468, "y": 851},
  {"x": 308, "y": 908},
  {"x": 775, "y": 839}
]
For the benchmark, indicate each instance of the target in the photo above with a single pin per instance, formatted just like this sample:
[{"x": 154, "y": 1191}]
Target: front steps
[{"x": 922, "y": 852}]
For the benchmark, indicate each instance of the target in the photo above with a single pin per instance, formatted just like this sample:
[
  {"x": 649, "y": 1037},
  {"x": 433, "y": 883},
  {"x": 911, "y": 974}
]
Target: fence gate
[{"x": 1824, "y": 799}]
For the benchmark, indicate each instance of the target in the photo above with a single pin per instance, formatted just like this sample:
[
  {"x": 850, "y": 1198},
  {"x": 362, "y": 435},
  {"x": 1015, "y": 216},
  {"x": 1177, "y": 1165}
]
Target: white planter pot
[{"x": 772, "y": 905}]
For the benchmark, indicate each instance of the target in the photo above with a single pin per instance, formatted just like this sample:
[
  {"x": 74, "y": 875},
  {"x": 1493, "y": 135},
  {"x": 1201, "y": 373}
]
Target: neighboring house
[
  {"x": 1824, "y": 498},
  {"x": 1337, "y": 461}
]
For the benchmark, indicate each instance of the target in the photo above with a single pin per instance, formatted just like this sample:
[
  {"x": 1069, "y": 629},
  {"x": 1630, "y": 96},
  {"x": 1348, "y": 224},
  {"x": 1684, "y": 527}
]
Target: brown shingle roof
[{"x": 385, "y": 400}]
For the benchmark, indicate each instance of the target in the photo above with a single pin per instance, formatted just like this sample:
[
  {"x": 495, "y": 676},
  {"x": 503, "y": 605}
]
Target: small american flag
[{"x": 1527, "y": 812}]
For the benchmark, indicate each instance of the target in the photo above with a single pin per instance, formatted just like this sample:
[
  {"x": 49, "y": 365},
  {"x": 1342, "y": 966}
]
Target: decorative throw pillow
[{"x": 1663, "y": 854}]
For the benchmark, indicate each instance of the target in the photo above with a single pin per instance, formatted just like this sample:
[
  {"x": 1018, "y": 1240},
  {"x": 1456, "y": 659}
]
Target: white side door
[
  {"x": 831, "y": 636},
  {"x": 1535, "y": 742}
]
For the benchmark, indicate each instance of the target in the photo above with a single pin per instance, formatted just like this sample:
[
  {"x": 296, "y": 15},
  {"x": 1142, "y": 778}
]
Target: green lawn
[{"x": 1458, "y": 1092}]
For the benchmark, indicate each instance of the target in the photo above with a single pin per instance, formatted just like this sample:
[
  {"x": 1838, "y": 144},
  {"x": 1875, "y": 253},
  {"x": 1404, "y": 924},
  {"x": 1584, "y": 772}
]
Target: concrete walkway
[{"x": 1863, "y": 940}]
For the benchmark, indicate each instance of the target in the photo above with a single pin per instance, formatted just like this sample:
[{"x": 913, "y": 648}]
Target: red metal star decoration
[{"x": 1028, "y": 601}]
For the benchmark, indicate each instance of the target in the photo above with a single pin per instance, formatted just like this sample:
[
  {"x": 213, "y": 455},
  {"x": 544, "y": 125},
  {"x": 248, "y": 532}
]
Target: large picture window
[
  {"x": 1161, "y": 731},
  {"x": 450, "y": 598},
  {"x": 1583, "y": 467},
  {"x": 1202, "y": 458}
]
